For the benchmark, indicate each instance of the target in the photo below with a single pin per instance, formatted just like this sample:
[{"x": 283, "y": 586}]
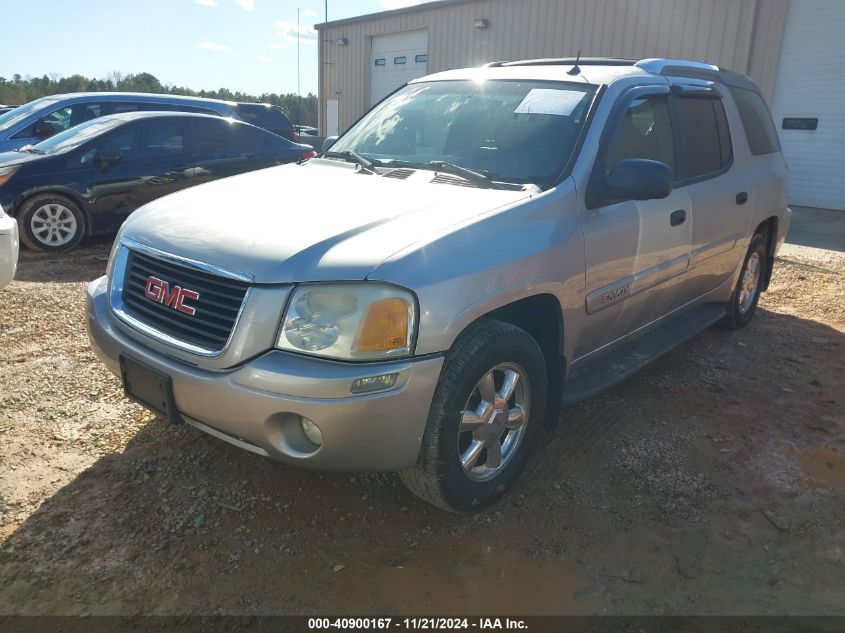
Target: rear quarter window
[
  {"x": 757, "y": 121},
  {"x": 263, "y": 116}
]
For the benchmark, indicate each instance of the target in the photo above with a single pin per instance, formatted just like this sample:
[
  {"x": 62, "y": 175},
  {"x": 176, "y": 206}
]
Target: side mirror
[
  {"x": 43, "y": 129},
  {"x": 107, "y": 158},
  {"x": 638, "y": 179},
  {"x": 328, "y": 142}
]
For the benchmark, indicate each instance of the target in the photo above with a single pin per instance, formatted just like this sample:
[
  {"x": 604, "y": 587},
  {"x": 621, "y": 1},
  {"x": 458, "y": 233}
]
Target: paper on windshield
[{"x": 549, "y": 101}]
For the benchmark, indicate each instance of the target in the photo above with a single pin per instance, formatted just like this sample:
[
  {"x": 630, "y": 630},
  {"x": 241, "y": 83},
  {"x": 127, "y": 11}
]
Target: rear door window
[
  {"x": 704, "y": 136},
  {"x": 212, "y": 138},
  {"x": 250, "y": 140},
  {"x": 757, "y": 121}
]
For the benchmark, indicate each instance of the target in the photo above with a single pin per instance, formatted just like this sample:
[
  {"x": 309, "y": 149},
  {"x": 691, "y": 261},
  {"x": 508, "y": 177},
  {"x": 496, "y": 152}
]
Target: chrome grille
[{"x": 217, "y": 306}]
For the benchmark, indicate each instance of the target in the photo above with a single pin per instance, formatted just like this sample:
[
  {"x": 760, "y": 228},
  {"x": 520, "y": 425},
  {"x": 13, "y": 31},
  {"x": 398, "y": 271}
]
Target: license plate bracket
[{"x": 149, "y": 388}]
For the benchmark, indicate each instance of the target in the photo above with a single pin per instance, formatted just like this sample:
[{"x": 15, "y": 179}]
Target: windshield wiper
[
  {"x": 475, "y": 177},
  {"x": 351, "y": 156}
]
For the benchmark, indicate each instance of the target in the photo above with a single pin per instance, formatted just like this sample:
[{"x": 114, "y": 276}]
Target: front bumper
[
  {"x": 9, "y": 247},
  {"x": 258, "y": 406}
]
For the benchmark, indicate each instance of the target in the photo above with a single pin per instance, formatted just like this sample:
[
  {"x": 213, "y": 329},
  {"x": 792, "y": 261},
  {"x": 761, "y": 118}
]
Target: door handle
[
  {"x": 678, "y": 217},
  {"x": 742, "y": 197}
]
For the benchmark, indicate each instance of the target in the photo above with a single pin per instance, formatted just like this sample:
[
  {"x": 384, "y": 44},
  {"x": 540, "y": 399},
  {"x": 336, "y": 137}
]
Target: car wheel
[
  {"x": 485, "y": 417},
  {"x": 744, "y": 300},
  {"x": 51, "y": 223}
]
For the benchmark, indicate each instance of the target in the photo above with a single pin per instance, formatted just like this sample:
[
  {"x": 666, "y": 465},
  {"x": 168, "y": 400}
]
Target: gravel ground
[{"x": 713, "y": 482}]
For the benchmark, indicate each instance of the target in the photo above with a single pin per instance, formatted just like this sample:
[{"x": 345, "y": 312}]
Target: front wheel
[
  {"x": 485, "y": 417},
  {"x": 51, "y": 223}
]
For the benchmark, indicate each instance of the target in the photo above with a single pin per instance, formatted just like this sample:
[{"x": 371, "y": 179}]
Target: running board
[{"x": 622, "y": 363}]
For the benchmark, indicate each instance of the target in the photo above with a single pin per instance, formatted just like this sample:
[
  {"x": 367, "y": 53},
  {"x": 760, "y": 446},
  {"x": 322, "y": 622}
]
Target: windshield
[
  {"x": 76, "y": 136},
  {"x": 22, "y": 112},
  {"x": 512, "y": 131}
]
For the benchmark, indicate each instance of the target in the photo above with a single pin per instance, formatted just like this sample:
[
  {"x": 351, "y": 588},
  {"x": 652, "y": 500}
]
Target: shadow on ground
[{"x": 710, "y": 483}]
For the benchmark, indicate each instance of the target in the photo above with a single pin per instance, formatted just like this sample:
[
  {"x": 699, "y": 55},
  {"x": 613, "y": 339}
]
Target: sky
[{"x": 247, "y": 45}]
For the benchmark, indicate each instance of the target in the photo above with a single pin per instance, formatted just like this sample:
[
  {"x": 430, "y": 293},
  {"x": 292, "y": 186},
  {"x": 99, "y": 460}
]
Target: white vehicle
[{"x": 8, "y": 248}]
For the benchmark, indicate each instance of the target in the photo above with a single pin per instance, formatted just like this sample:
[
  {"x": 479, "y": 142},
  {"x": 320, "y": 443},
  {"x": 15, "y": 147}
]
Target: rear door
[
  {"x": 636, "y": 251},
  {"x": 721, "y": 200}
]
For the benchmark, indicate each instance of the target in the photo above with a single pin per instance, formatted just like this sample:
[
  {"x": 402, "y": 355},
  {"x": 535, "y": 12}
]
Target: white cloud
[
  {"x": 310, "y": 13},
  {"x": 286, "y": 32},
  {"x": 247, "y": 5},
  {"x": 206, "y": 3},
  {"x": 400, "y": 4},
  {"x": 214, "y": 46},
  {"x": 264, "y": 58}
]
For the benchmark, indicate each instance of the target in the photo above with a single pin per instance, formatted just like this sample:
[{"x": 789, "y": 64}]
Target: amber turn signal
[{"x": 384, "y": 327}]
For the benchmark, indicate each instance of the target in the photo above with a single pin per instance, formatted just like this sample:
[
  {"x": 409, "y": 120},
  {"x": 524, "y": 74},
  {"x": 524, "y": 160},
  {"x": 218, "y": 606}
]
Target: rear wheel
[
  {"x": 743, "y": 303},
  {"x": 485, "y": 417},
  {"x": 51, "y": 223}
]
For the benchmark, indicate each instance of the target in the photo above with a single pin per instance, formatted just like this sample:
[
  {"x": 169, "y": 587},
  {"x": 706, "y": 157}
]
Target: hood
[
  {"x": 13, "y": 159},
  {"x": 319, "y": 221}
]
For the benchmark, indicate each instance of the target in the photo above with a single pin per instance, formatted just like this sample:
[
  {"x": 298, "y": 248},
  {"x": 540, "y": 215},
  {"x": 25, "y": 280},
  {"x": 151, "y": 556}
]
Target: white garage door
[
  {"x": 811, "y": 85},
  {"x": 397, "y": 58}
]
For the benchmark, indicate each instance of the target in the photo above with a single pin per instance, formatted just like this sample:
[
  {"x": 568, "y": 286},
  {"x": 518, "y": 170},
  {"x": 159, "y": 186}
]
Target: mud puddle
[
  {"x": 462, "y": 576},
  {"x": 823, "y": 467}
]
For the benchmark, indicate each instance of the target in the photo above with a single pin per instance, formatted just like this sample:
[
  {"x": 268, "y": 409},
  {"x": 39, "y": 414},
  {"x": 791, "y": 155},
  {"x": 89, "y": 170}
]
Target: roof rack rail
[
  {"x": 569, "y": 61},
  {"x": 660, "y": 66}
]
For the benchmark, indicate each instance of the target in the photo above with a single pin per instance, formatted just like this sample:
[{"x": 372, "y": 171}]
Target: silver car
[
  {"x": 487, "y": 244},
  {"x": 9, "y": 246}
]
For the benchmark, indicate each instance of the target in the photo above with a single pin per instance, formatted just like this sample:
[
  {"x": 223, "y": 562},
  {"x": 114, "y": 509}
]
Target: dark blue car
[{"x": 88, "y": 179}]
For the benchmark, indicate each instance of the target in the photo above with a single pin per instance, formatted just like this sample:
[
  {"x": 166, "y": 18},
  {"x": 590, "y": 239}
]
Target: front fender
[{"x": 532, "y": 247}]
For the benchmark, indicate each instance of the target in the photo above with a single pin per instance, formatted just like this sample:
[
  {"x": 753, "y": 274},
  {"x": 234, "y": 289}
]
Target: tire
[
  {"x": 505, "y": 351},
  {"x": 51, "y": 223},
  {"x": 743, "y": 303}
]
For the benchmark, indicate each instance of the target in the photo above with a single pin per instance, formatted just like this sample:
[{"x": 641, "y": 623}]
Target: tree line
[{"x": 18, "y": 90}]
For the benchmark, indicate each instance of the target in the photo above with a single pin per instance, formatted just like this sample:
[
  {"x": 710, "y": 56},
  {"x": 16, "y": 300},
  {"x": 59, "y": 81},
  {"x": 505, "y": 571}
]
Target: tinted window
[
  {"x": 267, "y": 117},
  {"x": 645, "y": 131},
  {"x": 212, "y": 138},
  {"x": 141, "y": 141},
  {"x": 703, "y": 134},
  {"x": 757, "y": 121},
  {"x": 131, "y": 106},
  {"x": 65, "y": 118},
  {"x": 250, "y": 139},
  {"x": 160, "y": 139}
]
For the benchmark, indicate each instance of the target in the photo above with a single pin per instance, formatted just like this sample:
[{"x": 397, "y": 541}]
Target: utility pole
[{"x": 298, "y": 91}]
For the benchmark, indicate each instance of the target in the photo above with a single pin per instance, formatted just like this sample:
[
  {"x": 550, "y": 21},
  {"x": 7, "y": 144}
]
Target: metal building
[{"x": 794, "y": 49}]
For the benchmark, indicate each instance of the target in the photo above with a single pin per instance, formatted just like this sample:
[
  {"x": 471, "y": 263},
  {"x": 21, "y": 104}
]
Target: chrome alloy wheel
[
  {"x": 493, "y": 421},
  {"x": 749, "y": 283},
  {"x": 53, "y": 224}
]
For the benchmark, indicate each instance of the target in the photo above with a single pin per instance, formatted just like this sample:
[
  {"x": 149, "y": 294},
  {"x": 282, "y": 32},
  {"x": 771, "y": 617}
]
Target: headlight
[
  {"x": 364, "y": 321},
  {"x": 6, "y": 174}
]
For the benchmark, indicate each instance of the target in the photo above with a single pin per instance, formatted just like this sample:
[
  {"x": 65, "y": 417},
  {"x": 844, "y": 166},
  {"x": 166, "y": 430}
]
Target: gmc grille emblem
[{"x": 160, "y": 291}]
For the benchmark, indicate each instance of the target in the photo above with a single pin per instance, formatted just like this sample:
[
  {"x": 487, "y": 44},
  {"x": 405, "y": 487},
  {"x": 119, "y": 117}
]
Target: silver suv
[{"x": 486, "y": 244}]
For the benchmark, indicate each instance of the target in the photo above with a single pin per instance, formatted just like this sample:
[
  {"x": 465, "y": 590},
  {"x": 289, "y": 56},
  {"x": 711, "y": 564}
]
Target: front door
[
  {"x": 636, "y": 251},
  {"x": 152, "y": 156}
]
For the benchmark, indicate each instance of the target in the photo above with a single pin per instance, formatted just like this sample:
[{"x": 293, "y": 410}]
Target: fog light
[
  {"x": 312, "y": 432},
  {"x": 374, "y": 383}
]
